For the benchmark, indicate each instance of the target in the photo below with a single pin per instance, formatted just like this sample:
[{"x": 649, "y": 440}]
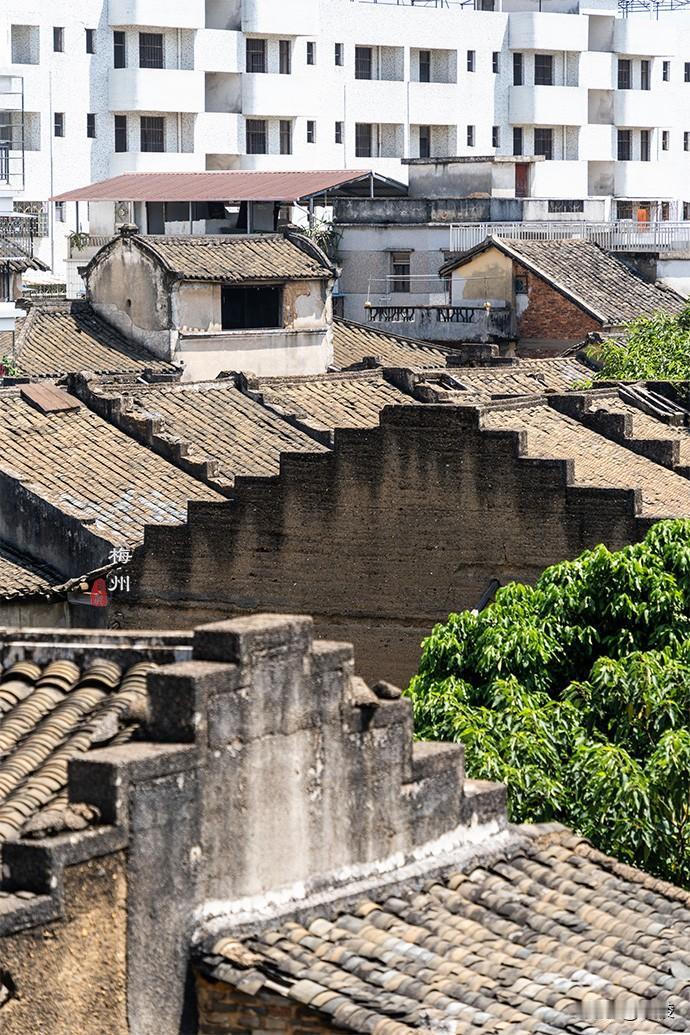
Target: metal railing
[
  {"x": 17, "y": 233},
  {"x": 624, "y": 235}
]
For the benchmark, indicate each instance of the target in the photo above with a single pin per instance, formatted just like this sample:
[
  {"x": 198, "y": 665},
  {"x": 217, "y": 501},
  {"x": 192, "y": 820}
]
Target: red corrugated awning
[{"x": 236, "y": 185}]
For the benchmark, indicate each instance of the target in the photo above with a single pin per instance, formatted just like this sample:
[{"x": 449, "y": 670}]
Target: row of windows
[
  {"x": 152, "y": 137},
  {"x": 59, "y": 40}
]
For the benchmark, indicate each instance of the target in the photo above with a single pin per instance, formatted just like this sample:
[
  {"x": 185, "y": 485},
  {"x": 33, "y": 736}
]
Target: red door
[{"x": 521, "y": 179}]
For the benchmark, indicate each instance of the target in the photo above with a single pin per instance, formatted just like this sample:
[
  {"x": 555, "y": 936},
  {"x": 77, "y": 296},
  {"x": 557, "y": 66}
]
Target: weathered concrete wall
[
  {"x": 197, "y": 307},
  {"x": 70, "y": 975},
  {"x": 127, "y": 288},
  {"x": 31, "y": 525},
  {"x": 380, "y": 539},
  {"x": 489, "y": 276},
  {"x": 426, "y": 209},
  {"x": 264, "y": 352}
]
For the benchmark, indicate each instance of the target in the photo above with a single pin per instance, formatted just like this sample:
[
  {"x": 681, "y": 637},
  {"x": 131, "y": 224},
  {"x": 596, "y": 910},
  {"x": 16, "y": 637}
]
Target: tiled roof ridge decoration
[
  {"x": 551, "y": 936},
  {"x": 594, "y": 279}
]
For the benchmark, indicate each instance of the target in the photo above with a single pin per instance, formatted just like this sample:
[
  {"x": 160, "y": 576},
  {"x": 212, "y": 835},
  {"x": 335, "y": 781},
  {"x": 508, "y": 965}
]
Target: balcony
[
  {"x": 642, "y": 36},
  {"x": 559, "y": 180},
  {"x": 217, "y": 132},
  {"x": 278, "y": 96},
  {"x": 445, "y": 323},
  {"x": 638, "y": 108},
  {"x": 156, "y": 161},
  {"x": 640, "y": 180},
  {"x": 598, "y": 70},
  {"x": 218, "y": 50},
  {"x": 276, "y": 18},
  {"x": 537, "y": 31},
  {"x": 368, "y": 100},
  {"x": 548, "y": 105},
  {"x": 181, "y": 14},
  {"x": 598, "y": 143},
  {"x": 156, "y": 89},
  {"x": 428, "y": 102}
]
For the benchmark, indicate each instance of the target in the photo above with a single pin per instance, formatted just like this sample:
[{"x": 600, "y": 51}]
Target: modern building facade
[{"x": 114, "y": 86}]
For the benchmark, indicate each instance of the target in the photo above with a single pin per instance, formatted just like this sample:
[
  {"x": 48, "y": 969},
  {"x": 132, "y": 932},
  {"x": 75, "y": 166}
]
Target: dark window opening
[
  {"x": 543, "y": 70},
  {"x": 624, "y": 74},
  {"x": 119, "y": 50},
  {"x": 645, "y": 76},
  {"x": 543, "y": 143},
  {"x": 470, "y": 60},
  {"x": 518, "y": 70},
  {"x": 666, "y": 71},
  {"x": 256, "y": 137},
  {"x": 517, "y": 140},
  {"x": 425, "y": 141},
  {"x": 338, "y": 132},
  {"x": 91, "y": 125},
  {"x": 120, "y": 132},
  {"x": 400, "y": 272},
  {"x": 58, "y": 39},
  {"x": 665, "y": 140},
  {"x": 59, "y": 124},
  {"x": 644, "y": 145},
  {"x": 151, "y": 50},
  {"x": 311, "y": 53},
  {"x": 425, "y": 66},
  {"x": 152, "y": 133},
  {"x": 687, "y": 72},
  {"x": 90, "y": 41},
  {"x": 624, "y": 145},
  {"x": 256, "y": 55},
  {"x": 285, "y": 137},
  {"x": 363, "y": 140},
  {"x": 495, "y": 136},
  {"x": 363, "y": 63},
  {"x": 285, "y": 57},
  {"x": 686, "y": 141},
  {"x": 339, "y": 54},
  {"x": 686, "y": 210},
  {"x": 311, "y": 131},
  {"x": 251, "y": 307},
  {"x": 496, "y": 62},
  {"x": 470, "y": 136}
]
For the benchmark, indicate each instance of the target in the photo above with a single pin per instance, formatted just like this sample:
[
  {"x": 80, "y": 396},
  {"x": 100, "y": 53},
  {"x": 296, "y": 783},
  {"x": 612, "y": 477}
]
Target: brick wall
[
  {"x": 378, "y": 540},
  {"x": 550, "y": 316},
  {"x": 225, "y": 1011}
]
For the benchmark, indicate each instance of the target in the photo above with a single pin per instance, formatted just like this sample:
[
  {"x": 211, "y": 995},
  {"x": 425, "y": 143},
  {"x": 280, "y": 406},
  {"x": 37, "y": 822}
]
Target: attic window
[{"x": 251, "y": 307}]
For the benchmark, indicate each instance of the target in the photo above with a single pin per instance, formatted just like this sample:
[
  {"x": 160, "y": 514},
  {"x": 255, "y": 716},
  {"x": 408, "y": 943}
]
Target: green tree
[
  {"x": 655, "y": 348},
  {"x": 576, "y": 693}
]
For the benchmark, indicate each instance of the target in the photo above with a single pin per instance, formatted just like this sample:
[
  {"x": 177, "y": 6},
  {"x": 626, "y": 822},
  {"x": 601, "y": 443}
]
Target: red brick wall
[
  {"x": 550, "y": 316},
  {"x": 225, "y": 1011}
]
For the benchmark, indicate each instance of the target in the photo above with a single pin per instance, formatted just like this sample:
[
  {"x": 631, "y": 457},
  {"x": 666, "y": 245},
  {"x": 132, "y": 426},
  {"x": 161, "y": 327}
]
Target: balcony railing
[
  {"x": 447, "y": 322},
  {"x": 622, "y": 236},
  {"x": 17, "y": 234}
]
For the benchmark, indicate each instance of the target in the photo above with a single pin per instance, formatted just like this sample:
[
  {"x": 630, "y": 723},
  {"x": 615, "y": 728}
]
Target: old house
[
  {"x": 217, "y": 303},
  {"x": 227, "y": 830},
  {"x": 557, "y": 290}
]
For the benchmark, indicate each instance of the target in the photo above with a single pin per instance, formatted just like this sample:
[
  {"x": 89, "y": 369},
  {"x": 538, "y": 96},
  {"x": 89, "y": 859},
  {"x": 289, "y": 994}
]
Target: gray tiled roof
[
  {"x": 48, "y": 715},
  {"x": 549, "y": 936},
  {"x": 522, "y": 377},
  {"x": 328, "y": 401},
  {"x": 599, "y": 281},
  {"x": 80, "y": 464},
  {"x": 354, "y": 342},
  {"x": 68, "y": 337},
  {"x": 235, "y": 258}
]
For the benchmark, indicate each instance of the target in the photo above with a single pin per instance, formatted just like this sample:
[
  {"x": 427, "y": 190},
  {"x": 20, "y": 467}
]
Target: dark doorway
[
  {"x": 155, "y": 218},
  {"x": 251, "y": 307},
  {"x": 521, "y": 180}
]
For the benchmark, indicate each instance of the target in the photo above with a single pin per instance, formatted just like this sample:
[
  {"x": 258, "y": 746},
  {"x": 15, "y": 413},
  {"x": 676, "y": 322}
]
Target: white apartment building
[{"x": 113, "y": 86}]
